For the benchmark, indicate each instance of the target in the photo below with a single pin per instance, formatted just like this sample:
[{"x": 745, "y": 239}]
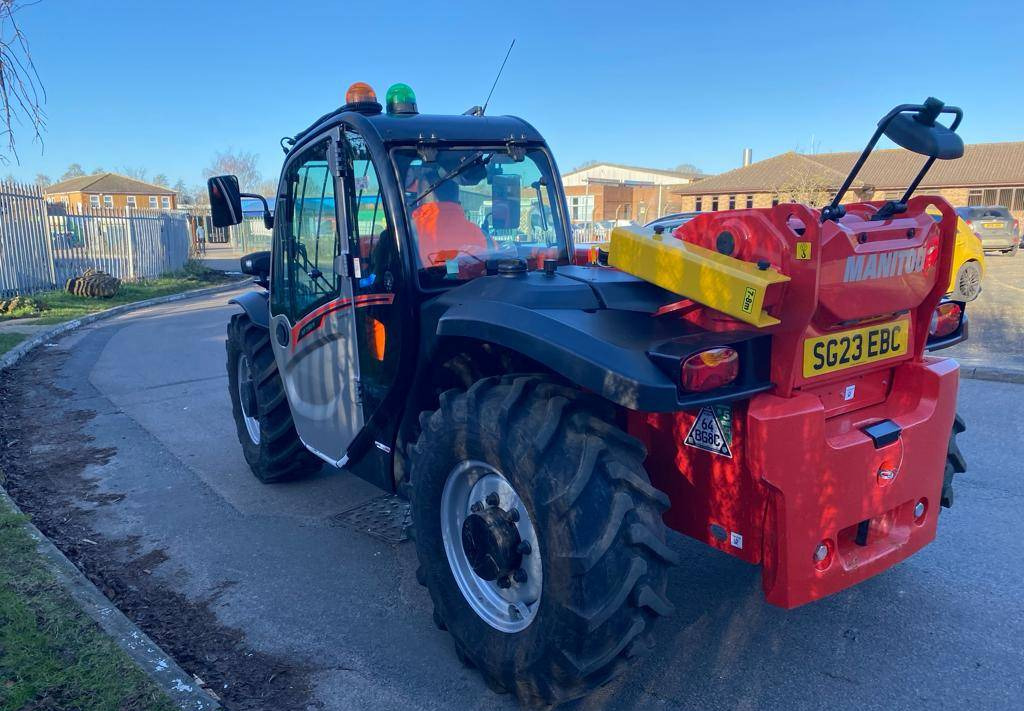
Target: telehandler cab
[{"x": 756, "y": 380}]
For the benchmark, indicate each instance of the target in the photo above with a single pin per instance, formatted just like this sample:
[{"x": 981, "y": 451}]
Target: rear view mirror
[
  {"x": 225, "y": 200},
  {"x": 257, "y": 264},
  {"x": 915, "y": 133}
]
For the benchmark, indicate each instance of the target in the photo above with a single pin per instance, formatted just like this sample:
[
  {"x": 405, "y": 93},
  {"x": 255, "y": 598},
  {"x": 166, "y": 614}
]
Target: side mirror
[
  {"x": 257, "y": 264},
  {"x": 225, "y": 200},
  {"x": 920, "y": 133}
]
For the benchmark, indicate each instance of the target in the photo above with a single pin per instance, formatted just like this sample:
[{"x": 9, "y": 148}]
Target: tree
[
  {"x": 43, "y": 180},
  {"x": 21, "y": 90},
  {"x": 74, "y": 171},
  {"x": 99, "y": 169},
  {"x": 184, "y": 194},
  {"x": 201, "y": 195},
  {"x": 807, "y": 187},
  {"x": 242, "y": 164},
  {"x": 130, "y": 171},
  {"x": 688, "y": 168},
  {"x": 161, "y": 180},
  {"x": 267, "y": 188}
]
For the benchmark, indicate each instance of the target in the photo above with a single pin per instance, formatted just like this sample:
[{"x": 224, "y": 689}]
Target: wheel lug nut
[
  {"x": 492, "y": 499},
  {"x": 525, "y": 548},
  {"x": 514, "y": 515},
  {"x": 519, "y": 576},
  {"x": 477, "y": 507},
  {"x": 504, "y": 582}
]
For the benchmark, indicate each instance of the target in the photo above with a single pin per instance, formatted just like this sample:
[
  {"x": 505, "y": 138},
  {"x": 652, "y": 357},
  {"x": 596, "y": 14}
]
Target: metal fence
[{"x": 42, "y": 244}]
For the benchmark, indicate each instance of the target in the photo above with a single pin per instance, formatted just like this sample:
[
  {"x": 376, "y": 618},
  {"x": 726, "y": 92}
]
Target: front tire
[
  {"x": 595, "y": 521},
  {"x": 260, "y": 407},
  {"x": 955, "y": 462}
]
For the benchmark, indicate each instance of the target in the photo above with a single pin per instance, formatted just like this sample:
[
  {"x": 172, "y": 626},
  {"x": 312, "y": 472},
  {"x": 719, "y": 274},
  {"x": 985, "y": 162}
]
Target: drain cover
[{"x": 385, "y": 517}]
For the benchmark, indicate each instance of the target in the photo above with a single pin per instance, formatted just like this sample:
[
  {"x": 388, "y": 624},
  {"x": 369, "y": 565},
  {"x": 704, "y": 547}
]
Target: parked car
[
  {"x": 995, "y": 226},
  {"x": 670, "y": 222},
  {"x": 968, "y": 264}
]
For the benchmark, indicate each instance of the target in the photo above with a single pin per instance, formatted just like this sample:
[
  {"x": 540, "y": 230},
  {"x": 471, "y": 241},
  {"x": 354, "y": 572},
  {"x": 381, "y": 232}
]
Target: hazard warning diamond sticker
[{"x": 712, "y": 431}]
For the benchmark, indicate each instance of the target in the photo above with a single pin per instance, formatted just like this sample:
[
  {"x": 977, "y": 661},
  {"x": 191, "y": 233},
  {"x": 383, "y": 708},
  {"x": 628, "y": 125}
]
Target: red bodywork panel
[{"x": 800, "y": 470}]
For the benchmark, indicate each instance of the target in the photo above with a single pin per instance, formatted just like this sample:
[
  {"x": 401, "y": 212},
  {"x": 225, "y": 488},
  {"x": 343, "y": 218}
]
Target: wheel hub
[
  {"x": 491, "y": 545},
  {"x": 247, "y": 399},
  {"x": 491, "y": 542}
]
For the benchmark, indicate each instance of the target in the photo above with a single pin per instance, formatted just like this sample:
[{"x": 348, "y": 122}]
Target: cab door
[{"x": 312, "y": 320}]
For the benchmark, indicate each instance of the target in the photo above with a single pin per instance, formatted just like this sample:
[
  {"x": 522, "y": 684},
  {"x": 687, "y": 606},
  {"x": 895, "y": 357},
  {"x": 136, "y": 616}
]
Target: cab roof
[{"x": 442, "y": 128}]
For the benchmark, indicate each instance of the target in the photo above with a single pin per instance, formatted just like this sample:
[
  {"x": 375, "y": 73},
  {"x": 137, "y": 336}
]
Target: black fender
[
  {"x": 256, "y": 305},
  {"x": 574, "y": 344}
]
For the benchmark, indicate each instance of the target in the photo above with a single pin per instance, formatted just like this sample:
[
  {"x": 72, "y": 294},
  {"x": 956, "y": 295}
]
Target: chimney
[{"x": 748, "y": 156}]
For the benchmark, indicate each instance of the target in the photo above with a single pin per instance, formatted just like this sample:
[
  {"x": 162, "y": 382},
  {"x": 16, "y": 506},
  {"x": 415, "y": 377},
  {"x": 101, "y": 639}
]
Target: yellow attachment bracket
[{"x": 724, "y": 283}]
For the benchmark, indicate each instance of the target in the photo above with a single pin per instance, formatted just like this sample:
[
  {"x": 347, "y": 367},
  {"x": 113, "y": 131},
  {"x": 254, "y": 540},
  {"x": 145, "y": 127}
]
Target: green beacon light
[{"x": 400, "y": 99}]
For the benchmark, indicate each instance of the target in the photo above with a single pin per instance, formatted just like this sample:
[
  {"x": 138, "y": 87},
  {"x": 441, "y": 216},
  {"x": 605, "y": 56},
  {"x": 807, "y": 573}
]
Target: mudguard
[
  {"x": 604, "y": 351},
  {"x": 256, "y": 305}
]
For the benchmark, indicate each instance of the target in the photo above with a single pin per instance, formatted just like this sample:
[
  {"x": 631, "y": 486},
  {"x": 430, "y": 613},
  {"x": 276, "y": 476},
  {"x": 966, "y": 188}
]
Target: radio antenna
[{"x": 483, "y": 110}]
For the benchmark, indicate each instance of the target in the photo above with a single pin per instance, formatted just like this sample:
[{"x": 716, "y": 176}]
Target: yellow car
[
  {"x": 968, "y": 264},
  {"x": 968, "y": 261}
]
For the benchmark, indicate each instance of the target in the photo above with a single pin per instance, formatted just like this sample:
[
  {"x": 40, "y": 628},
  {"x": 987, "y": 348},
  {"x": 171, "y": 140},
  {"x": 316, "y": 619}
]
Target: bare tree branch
[{"x": 22, "y": 94}]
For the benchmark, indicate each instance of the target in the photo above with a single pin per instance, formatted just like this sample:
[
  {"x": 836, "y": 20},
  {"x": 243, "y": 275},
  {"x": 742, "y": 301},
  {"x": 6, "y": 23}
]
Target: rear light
[
  {"x": 710, "y": 369},
  {"x": 945, "y": 320}
]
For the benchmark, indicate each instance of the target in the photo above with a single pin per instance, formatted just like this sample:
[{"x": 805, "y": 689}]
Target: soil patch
[{"x": 44, "y": 452}]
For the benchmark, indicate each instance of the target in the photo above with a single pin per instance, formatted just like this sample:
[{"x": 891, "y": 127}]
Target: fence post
[
  {"x": 43, "y": 215},
  {"x": 131, "y": 248}
]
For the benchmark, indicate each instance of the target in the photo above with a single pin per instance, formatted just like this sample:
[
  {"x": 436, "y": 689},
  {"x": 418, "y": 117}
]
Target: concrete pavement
[{"x": 941, "y": 630}]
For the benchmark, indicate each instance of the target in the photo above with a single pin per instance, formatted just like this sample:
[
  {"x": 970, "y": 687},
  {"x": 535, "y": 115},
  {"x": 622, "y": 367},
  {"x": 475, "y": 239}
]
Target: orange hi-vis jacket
[{"x": 442, "y": 230}]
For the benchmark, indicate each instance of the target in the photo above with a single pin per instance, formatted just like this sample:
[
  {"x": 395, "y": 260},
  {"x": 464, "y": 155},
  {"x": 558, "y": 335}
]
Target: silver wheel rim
[
  {"x": 969, "y": 282},
  {"x": 509, "y": 609},
  {"x": 252, "y": 425}
]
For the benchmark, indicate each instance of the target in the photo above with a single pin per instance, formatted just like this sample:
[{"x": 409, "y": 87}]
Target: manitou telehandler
[{"x": 756, "y": 379}]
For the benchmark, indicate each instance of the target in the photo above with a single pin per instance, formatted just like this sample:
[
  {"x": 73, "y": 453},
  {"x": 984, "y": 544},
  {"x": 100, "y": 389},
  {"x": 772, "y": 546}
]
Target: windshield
[{"x": 471, "y": 208}]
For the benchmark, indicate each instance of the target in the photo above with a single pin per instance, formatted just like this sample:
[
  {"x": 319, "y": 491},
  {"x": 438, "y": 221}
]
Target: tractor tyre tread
[
  {"x": 598, "y": 521},
  {"x": 280, "y": 455}
]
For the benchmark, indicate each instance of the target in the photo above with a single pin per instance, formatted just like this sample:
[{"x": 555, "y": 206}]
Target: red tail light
[
  {"x": 945, "y": 320},
  {"x": 710, "y": 369}
]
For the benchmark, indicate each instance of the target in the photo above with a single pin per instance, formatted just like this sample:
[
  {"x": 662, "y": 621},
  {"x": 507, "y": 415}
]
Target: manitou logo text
[{"x": 884, "y": 264}]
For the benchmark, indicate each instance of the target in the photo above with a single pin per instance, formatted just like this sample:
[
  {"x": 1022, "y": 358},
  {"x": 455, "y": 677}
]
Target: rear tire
[
  {"x": 955, "y": 462},
  {"x": 273, "y": 450},
  {"x": 968, "y": 282},
  {"x": 594, "y": 514}
]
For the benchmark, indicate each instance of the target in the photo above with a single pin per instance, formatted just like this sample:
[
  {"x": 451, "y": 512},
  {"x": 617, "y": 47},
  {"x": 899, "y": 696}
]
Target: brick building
[
  {"x": 110, "y": 191},
  {"x": 610, "y": 191},
  {"x": 987, "y": 174}
]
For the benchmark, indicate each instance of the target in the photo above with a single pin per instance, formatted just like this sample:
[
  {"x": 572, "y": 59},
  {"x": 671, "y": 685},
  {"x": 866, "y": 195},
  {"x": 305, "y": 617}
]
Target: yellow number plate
[
  {"x": 993, "y": 225},
  {"x": 846, "y": 349}
]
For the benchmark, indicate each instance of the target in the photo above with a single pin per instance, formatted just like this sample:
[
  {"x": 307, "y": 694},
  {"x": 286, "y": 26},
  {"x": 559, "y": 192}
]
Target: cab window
[
  {"x": 377, "y": 274},
  {"x": 304, "y": 274},
  {"x": 469, "y": 208}
]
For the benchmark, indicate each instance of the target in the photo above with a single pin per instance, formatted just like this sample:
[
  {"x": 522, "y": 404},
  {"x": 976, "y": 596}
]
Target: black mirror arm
[
  {"x": 924, "y": 113},
  {"x": 268, "y": 219}
]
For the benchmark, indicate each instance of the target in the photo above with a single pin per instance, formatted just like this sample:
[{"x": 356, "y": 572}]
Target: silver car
[{"x": 997, "y": 229}]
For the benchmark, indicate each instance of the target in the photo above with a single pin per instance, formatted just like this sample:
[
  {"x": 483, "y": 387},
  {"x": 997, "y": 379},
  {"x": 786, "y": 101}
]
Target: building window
[
  {"x": 714, "y": 203},
  {"x": 1018, "y": 199},
  {"x": 698, "y": 204},
  {"x": 990, "y": 196},
  {"x": 152, "y": 201},
  {"x": 581, "y": 208},
  {"x": 974, "y": 197},
  {"x": 165, "y": 202},
  {"x": 94, "y": 201},
  {"x": 732, "y": 202},
  {"x": 1005, "y": 197},
  {"x": 108, "y": 201},
  {"x": 131, "y": 201},
  {"x": 750, "y": 201}
]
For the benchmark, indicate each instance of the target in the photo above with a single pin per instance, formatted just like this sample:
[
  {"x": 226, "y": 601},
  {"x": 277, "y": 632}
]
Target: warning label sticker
[{"x": 712, "y": 431}]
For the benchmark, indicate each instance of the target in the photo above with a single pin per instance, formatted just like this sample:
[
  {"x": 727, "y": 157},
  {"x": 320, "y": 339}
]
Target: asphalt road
[{"x": 945, "y": 629}]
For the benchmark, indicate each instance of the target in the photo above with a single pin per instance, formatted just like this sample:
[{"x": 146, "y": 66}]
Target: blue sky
[{"x": 166, "y": 85}]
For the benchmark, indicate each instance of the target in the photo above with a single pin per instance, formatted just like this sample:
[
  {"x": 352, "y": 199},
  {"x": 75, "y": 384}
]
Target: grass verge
[
  {"x": 10, "y": 340},
  {"x": 50, "y": 307},
  {"x": 52, "y": 655}
]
